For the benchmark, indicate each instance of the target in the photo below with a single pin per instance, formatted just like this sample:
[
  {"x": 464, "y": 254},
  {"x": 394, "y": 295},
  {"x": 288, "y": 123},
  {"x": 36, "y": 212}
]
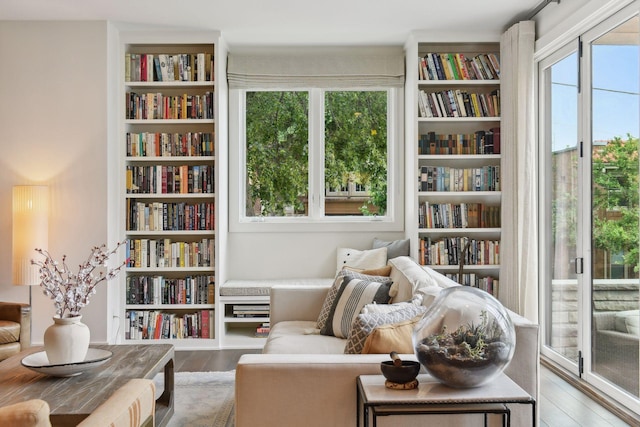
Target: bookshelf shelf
[
  {"x": 192, "y": 97},
  {"x": 169, "y": 121},
  {"x": 458, "y": 119},
  {"x": 171, "y": 307},
  {"x": 172, "y": 84},
  {"x": 166, "y": 196},
  {"x": 452, "y": 131}
]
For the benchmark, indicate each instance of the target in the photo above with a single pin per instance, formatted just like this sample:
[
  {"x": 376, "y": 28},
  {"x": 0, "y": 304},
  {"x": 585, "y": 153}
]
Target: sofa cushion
[
  {"x": 395, "y": 248},
  {"x": 301, "y": 337},
  {"x": 396, "y": 337},
  {"x": 627, "y": 321},
  {"x": 354, "y": 293},
  {"x": 367, "y": 259},
  {"x": 333, "y": 291},
  {"x": 365, "y": 323}
]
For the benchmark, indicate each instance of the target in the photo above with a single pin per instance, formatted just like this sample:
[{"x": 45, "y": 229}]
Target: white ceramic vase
[{"x": 66, "y": 341}]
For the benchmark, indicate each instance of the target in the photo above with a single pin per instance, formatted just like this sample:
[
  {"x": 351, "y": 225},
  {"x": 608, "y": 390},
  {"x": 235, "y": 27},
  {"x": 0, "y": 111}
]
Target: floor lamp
[{"x": 30, "y": 231}]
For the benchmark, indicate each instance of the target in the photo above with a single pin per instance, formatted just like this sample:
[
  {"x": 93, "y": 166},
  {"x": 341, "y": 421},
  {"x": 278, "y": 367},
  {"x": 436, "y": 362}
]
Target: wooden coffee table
[{"x": 72, "y": 399}]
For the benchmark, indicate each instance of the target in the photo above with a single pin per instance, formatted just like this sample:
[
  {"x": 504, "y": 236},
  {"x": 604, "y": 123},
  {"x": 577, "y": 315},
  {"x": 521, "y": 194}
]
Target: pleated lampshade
[{"x": 30, "y": 230}]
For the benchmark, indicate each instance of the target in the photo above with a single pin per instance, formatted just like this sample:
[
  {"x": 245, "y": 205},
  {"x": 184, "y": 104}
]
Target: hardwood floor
[{"x": 560, "y": 404}]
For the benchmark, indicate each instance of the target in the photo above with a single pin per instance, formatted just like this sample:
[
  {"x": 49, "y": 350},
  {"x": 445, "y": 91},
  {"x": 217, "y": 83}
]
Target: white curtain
[{"x": 519, "y": 241}]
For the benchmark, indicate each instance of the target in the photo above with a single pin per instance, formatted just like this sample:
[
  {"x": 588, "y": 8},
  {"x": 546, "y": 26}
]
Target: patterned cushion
[
  {"x": 388, "y": 308},
  {"x": 365, "y": 324},
  {"x": 352, "y": 295},
  {"x": 331, "y": 295}
]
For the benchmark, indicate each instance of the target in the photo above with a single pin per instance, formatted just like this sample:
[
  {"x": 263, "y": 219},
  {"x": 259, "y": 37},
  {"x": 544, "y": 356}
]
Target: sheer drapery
[{"x": 519, "y": 242}]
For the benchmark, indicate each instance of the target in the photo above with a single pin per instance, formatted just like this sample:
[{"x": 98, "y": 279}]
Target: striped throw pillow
[{"x": 353, "y": 294}]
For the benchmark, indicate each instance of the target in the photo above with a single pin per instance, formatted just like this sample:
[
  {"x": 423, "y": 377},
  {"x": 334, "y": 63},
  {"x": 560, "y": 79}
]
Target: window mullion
[{"x": 316, "y": 150}]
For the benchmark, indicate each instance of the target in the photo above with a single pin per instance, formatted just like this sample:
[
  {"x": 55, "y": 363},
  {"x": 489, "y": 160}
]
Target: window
[{"x": 315, "y": 156}]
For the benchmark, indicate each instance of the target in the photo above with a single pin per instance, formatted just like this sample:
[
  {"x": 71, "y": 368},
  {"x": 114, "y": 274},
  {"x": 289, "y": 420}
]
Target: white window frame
[{"x": 393, "y": 220}]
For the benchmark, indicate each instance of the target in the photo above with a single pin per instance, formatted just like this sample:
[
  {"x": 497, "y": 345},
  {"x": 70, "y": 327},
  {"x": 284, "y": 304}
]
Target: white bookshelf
[
  {"x": 417, "y": 124},
  {"x": 200, "y": 125}
]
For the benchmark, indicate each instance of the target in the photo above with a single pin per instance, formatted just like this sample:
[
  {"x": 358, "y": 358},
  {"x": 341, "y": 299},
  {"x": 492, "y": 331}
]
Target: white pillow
[{"x": 367, "y": 259}]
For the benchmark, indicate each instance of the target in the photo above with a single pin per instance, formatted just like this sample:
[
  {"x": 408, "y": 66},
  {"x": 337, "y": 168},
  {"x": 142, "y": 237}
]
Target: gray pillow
[{"x": 395, "y": 248}]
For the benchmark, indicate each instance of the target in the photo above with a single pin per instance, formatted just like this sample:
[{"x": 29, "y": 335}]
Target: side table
[{"x": 432, "y": 397}]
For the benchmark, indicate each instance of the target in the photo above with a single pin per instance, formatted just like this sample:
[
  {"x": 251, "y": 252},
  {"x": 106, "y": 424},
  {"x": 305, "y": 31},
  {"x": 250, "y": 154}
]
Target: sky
[{"x": 615, "y": 88}]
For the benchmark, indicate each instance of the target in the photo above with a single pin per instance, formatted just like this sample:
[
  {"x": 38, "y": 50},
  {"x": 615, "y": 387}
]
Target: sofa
[
  {"x": 304, "y": 378},
  {"x": 132, "y": 405},
  {"x": 15, "y": 328},
  {"x": 616, "y": 342}
]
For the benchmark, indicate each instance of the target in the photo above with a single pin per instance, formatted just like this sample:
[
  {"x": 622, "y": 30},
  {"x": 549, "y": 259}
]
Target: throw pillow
[
  {"x": 367, "y": 259},
  {"x": 382, "y": 271},
  {"x": 366, "y": 323},
  {"x": 388, "y": 308},
  {"x": 396, "y": 337},
  {"x": 333, "y": 291},
  {"x": 395, "y": 248},
  {"x": 352, "y": 296}
]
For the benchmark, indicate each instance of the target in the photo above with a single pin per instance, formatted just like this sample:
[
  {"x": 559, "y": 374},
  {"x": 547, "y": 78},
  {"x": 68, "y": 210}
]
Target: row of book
[
  {"x": 165, "y": 216},
  {"x": 458, "y": 103},
  {"x": 451, "y": 250},
  {"x": 162, "y": 253},
  {"x": 446, "y": 178},
  {"x": 156, "y": 106},
  {"x": 188, "y": 67},
  {"x": 458, "y": 66},
  {"x": 164, "y": 290},
  {"x": 488, "y": 284},
  {"x": 162, "y": 144},
  {"x": 463, "y": 215},
  {"x": 156, "y": 324},
  {"x": 250, "y": 310},
  {"x": 168, "y": 179},
  {"x": 479, "y": 142},
  {"x": 262, "y": 330}
]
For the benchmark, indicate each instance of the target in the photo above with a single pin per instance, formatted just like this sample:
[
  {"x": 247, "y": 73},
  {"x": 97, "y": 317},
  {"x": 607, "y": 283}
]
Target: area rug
[{"x": 202, "y": 399}]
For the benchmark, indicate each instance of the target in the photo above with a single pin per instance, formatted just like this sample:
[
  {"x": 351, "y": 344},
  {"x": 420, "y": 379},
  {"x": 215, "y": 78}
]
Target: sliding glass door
[
  {"x": 613, "y": 61},
  {"x": 561, "y": 332},
  {"x": 589, "y": 129}
]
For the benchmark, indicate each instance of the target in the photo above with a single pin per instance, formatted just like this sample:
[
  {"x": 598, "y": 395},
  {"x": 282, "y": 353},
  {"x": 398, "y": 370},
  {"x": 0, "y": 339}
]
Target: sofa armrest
[
  {"x": 31, "y": 413},
  {"x": 605, "y": 321},
  {"x": 296, "y": 302},
  {"x": 19, "y": 313},
  {"x": 311, "y": 390},
  {"x": 132, "y": 405}
]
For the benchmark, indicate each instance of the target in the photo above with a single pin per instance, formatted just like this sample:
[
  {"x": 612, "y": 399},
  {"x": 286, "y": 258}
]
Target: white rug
[{"x": 202, "y": 399}]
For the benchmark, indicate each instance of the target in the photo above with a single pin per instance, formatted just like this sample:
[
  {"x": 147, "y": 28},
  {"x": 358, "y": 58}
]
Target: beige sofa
[{"x": 305, "y": 379}]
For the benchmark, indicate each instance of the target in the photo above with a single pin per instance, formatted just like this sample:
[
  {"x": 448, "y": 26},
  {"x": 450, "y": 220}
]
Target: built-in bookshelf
[
  {"x": 168, "y": 145},
  {"x": 455, "y": 109}
]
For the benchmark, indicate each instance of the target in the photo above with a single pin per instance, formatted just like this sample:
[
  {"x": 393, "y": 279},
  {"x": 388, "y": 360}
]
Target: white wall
[
  {"x": 53, "y": 116},
  {"x": 291, "y": 255}
]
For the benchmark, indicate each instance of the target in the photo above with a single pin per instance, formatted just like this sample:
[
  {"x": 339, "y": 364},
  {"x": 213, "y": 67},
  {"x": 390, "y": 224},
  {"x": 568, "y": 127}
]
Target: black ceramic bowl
[{"x": 400, "y": 374}]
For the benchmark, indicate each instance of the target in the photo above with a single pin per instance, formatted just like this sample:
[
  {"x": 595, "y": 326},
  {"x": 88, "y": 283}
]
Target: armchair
[{"x": 15, "y": 328}]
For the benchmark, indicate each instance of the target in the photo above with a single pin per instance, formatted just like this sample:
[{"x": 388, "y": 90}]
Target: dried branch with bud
[{"x": 70, "y": 292}]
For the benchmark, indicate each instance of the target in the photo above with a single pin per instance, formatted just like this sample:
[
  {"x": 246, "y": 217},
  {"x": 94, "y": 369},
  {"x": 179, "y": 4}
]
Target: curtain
[
  {"x": 333, "y": 68},
  {"x": 519, "y": 240}
]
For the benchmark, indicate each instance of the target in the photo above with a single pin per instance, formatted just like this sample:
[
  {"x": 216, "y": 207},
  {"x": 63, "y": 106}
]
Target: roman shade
[{"x": 339, "y": 68}]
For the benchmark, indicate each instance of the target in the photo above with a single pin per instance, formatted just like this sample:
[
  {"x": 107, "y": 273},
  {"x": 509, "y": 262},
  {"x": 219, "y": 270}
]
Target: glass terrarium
[{"x": 466, "y": 338}]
